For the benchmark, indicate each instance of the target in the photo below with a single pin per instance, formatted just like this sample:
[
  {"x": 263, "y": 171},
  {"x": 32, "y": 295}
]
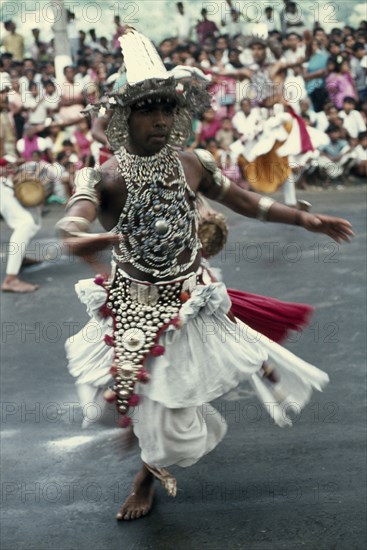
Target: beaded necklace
[{"x": 159, "y": 220}]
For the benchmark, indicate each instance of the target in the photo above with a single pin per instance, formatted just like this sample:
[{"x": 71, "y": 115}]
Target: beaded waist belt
[{"x": 141, "y": 312}]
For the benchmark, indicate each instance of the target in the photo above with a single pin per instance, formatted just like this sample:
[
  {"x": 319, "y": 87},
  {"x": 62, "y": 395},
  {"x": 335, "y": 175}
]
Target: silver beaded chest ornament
[{"x": 159, "y": 222}]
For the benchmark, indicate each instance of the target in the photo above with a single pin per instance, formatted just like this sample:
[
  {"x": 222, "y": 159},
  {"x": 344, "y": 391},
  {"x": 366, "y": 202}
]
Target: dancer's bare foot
[
  {"x": 140, "y": 500},
  {"x": 14, "y": 284}
]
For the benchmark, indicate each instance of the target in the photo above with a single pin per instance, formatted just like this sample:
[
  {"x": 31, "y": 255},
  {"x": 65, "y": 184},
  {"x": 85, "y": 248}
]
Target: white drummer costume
[{"x": 172, "y": 347}]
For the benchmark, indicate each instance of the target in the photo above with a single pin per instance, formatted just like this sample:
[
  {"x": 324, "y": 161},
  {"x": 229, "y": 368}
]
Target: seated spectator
[
  {"x": 245, "y": 119},
  {"x": 336, "y": 156},
  {"x": 296, "y": 50},
  {"x": 30, "y": 142},
  {"x": 234, "y": 61},
  {"x": 82, "y": 139},
  {"x": 295, "y": 88},
  {"x": 34, "y": 104},
  {"x": 51, "y": 98},
  {"x": 229, "y": 166},
  {"x": 212, "y": 146},
  {"x": 352, "y": 119},
  {"x": 307, "y": 112},
  {"x": 225, "y": 136},
  {"x": 328, "y": 116},
  {"x": 54, "y": 141},
  {"x": 209, "y": 126},
  {"x": 360, "y": 155},
  {"x": 339, "y": 82}
]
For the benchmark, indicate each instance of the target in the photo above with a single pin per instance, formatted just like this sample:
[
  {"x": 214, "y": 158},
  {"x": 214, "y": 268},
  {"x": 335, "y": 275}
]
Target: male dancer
[{"x": 154, "y": 308}]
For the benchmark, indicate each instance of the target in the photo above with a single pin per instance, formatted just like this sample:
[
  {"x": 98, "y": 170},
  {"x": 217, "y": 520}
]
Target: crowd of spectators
[{"x": 324, "y": 83}]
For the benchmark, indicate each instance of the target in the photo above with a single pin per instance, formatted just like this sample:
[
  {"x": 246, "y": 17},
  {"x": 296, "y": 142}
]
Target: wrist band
[
  {"x": 263, "y": 207},
  {"x": 80, "y": 222}
]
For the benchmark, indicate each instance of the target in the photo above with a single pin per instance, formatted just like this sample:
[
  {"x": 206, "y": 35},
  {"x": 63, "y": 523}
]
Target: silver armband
[
  {"x": 85, "y": 181},
  {"x": 221, "y": 182},
  {"x": 263, "y": 207},
  {"x": 83, "y": 223}
]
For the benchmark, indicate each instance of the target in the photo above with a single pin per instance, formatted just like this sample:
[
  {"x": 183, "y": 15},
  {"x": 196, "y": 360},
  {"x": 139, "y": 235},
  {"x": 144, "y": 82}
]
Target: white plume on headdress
[{"x": 141, "y": 59}]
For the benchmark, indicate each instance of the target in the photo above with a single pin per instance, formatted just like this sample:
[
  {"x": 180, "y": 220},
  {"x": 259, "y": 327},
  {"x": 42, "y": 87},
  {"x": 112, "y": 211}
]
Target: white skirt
[{"x": 204, "y": 359}]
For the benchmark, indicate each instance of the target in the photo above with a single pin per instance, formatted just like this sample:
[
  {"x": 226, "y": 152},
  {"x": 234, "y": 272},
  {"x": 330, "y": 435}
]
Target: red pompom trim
[
  {"x": 157, "y": 350},
  {"x": 109, "y": 340},
  {"x": 110, "y": 399},
  {"x": 99, "y": 280},
  {"x": 143, "y": 376},
  {"x": 134, "y": 400},
  {"x": 105, "y": 311},
  {"x": 124, "y": 421},
  {"x": 184, "y": 296},
  {"x": 113, "y": 370}
]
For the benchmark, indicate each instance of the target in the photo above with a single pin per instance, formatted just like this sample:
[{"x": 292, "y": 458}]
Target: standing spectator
[
  {"x": 118, "y": 32},
  {"x": 183, "y": 24},
  {"x": 13, "y": 42},
  {"x": 205, "y": 28},
  {"x": 269, "y": 19},
  {"x": 73, "y": 35},
  {"x": 314, "y": 75},
  {"x": 234, "y": 26},
  {"x": 35, "y": 46},
  {"x": 352, "y": 119},
  {"x": 16, "y": 107},
  {"x": 7, "y": 128},
  {"x": 358, "y": 66},
  {"x": 72, "y": 99},
  {"x": 339, "y": 82}
]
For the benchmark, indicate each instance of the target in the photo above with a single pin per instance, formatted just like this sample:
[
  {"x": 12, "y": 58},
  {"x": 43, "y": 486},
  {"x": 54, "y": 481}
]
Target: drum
[{"x": 29, "y": 188}]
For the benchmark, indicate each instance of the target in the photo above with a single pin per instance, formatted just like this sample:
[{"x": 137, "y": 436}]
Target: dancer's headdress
[{"x": 148, "y": 78}]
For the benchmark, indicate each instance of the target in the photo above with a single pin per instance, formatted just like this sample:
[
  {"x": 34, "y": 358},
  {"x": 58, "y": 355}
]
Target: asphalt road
[{"x": 263, "y": 488}]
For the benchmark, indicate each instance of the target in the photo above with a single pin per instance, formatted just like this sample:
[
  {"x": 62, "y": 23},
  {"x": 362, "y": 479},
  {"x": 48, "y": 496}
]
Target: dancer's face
[{"x": 150, "y": 126}]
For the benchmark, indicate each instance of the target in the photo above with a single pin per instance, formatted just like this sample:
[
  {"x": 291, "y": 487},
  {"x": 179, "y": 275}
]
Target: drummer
[{"x": 25, "y": 223}]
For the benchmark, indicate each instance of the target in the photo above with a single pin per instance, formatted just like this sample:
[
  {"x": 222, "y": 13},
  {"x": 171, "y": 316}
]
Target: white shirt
[
  {"x": 183, "y": 25},
  {"x": 353, "y": 123},
  {"x": 41, "y": 145},
  {"x": 38, "y": 116},
  {"x": 244, "y": 124},
  {"x": 360, "y": 153}
]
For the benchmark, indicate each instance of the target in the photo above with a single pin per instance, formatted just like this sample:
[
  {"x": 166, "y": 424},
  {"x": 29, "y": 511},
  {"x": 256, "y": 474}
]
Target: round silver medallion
[
  {"x": 133, "y": 339},
  {"x": 161, "y": 227}
]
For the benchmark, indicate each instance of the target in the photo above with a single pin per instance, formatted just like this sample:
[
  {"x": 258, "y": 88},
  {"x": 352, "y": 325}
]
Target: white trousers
[
  {"x": 25, "y": 223},
  {"x": 289, "y": 190}
]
